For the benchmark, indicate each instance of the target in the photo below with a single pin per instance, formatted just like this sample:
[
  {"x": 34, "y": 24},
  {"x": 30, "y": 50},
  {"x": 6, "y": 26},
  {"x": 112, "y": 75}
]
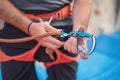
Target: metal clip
[
  {"x": 82, "y": 34},
  {"x": 89, "y": 52},
  {"x": 48, "y": 22}
]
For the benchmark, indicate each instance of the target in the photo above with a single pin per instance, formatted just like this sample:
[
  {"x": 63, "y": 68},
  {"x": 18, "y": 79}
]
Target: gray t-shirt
[
  {"x": 44, "y": 5},
  {"x": 49, "y": 5}
]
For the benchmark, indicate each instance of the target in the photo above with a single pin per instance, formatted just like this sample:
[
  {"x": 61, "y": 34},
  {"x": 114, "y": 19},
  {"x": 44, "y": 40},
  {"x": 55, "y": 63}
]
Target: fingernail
[{"x": 82, "y": 28}]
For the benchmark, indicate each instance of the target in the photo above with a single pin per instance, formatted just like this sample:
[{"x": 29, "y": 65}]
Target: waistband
[{"x": 61, "y": 13}]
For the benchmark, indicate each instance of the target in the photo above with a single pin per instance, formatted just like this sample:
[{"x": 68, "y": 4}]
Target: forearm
[
  {"x": 13, "y": 16},
  {"x": 81, "y": 13}
]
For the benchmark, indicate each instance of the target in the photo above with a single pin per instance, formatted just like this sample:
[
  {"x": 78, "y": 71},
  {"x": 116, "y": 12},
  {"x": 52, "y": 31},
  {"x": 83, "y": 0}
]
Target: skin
[
  {"x": 81, "y": 13},
  {"x": 12, "y": 15}
]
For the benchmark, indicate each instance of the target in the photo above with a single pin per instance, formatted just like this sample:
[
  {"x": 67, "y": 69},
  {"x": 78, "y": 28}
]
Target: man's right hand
[{"x": 49, "y": 42}]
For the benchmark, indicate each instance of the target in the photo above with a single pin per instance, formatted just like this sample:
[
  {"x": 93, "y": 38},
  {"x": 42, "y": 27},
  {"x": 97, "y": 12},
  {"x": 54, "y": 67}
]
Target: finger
[
  {"x": 82, "y": 43},
  {"x": 49, "y": 45},
  {"x": 74, "y": 45},
  {"x": 83, "y": 56},
  {"x": 65, "y": 46},
  {"x": 68, "y": 45},
  {"x": 53, "y": 41},
  {"x": 68, "y": 48},
  {"x": 82, "y": 28},
  {"x": 81, "y": 40},
  {"x": 84, "y": 46}
]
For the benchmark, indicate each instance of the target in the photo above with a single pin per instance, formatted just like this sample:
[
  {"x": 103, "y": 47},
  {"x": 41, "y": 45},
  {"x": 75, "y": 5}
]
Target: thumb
[
  {"x": 82, "y": 28},
  {"x": 83, "y": 56}
]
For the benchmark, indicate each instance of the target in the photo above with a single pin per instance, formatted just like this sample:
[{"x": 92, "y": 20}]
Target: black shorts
[{"x": 20, "y": 70}]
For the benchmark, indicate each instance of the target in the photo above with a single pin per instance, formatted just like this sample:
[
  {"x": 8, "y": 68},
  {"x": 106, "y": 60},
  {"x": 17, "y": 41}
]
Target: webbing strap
[
  {"x": 61, "y": 58},
  {"x": 62, "y": 13},
  {"x": 27, "y": 56}
]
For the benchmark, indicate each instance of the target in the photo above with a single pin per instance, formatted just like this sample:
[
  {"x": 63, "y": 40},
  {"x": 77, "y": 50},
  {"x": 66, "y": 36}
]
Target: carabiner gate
[{"x": 89, "y": 52}]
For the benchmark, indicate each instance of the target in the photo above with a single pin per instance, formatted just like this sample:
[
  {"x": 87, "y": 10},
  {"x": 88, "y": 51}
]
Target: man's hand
[
  {"x": 81, "y": 12},
  {"x": 71, "y": 45},
  {"x": 49, "y": 42}
]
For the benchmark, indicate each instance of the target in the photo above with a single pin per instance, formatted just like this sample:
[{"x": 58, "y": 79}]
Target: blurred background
[{"x": 104, "y": 63}]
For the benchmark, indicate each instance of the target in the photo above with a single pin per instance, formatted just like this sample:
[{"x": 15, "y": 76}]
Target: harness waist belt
[{"x": 62, "y": 13}]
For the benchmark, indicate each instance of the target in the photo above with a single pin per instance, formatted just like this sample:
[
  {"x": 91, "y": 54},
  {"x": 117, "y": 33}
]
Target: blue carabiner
[
  {"x": 92, "y": 46},
  {"x": 82, "y": 34}
]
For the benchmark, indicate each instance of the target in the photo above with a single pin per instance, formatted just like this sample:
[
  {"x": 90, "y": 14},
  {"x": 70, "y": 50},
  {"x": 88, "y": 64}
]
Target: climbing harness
[
  {"x": 62, "y": 34},
  {"x": 58, "y": 33}
]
